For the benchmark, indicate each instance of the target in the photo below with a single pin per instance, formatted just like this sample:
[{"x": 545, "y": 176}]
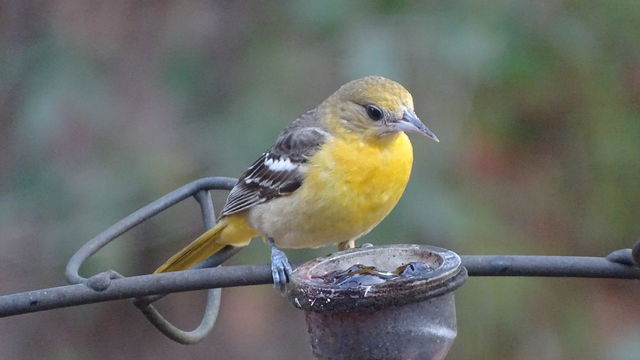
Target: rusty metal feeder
[{"x": 403, "y": 318}]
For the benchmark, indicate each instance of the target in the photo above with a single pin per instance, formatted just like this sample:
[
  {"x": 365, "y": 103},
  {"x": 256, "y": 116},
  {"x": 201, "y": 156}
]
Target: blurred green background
[{"x": 108, "y": 105}]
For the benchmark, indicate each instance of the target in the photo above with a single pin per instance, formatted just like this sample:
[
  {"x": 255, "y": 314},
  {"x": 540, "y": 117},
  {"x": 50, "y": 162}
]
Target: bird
[{"x": 331, "y": 176}]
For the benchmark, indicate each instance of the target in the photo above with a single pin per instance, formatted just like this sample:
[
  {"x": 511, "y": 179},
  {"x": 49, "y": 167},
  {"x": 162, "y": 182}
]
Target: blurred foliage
[{"x": 105, "y": 106}]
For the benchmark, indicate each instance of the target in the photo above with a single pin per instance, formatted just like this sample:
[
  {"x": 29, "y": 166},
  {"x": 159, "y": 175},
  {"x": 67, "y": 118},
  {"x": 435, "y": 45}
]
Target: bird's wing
[{"x": 278, "y": 171}]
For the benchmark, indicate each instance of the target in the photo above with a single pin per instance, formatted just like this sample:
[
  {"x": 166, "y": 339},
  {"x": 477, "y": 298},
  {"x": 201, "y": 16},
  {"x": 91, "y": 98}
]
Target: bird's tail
[{"x": 230, "y": 230}]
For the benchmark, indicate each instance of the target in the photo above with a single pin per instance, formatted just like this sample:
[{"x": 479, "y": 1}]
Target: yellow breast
[{"x": 351, "y": 185}]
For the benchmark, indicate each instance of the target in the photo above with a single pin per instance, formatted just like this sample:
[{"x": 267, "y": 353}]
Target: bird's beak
[{"x": 411, "y": 122}]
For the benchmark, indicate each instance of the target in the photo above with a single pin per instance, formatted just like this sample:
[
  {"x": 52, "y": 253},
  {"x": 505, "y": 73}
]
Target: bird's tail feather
[{"x": 201, "y": 248}]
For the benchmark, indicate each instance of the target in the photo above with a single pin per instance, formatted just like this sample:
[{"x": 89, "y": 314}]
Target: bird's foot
[{"x": 280, "y": 268}]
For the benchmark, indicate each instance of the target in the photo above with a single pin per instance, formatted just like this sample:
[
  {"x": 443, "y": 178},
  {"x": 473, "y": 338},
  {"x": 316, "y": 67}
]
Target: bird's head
[{"x": 375, "y": 106}]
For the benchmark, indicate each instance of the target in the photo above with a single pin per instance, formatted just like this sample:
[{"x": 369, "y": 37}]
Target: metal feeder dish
[{"x": 402, "y": 309}]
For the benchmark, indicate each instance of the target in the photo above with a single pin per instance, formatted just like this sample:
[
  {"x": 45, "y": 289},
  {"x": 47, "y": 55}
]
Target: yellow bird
[{"x": 332, "y": 175}]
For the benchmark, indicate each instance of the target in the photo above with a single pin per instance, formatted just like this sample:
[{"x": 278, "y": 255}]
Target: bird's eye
[{"x": 374, "y": 112}]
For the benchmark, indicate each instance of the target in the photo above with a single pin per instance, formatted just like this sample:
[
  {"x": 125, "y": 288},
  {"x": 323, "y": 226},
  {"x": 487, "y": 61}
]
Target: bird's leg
[
  {"x": 280, "y": 268},
  {"x": 346, "y": 245}
]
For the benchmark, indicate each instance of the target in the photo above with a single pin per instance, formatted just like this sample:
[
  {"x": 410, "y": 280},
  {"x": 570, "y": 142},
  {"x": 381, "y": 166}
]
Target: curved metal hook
[
  {"x": 182, "y": 336},
  {"x": 199, "y": 189}
]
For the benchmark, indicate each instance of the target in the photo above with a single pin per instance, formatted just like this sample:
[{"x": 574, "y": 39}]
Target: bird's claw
[{"x": 280, "y": 268}]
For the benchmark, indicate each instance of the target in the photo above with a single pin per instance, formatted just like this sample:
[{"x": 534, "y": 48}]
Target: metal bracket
[{"x": 198, "y": 189}]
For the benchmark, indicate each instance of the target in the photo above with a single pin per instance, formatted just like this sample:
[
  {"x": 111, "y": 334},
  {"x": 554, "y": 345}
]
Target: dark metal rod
[
  {"x": 547, "y": 266},
  {"x": 135, "y": 286},
  {"x": 206, "y": 207},
  {"x": 242, "y": 275}
]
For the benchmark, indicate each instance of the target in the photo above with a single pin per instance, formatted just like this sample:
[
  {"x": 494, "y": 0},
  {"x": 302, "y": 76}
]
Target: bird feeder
[{"x": 386, "y": 302}]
